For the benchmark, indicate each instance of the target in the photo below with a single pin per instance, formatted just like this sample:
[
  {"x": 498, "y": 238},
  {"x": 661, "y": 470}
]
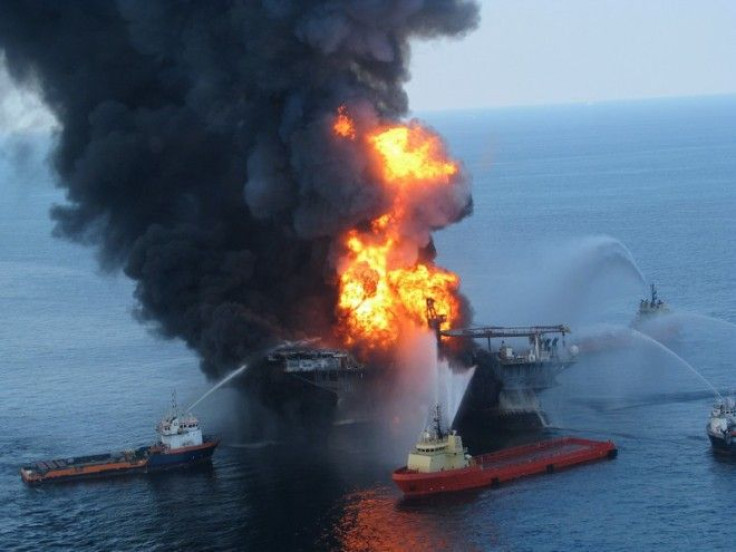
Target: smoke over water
[{"x": 198, "y": 151}]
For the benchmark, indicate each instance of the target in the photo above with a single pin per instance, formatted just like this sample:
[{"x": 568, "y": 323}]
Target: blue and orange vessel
[{"x": 180, "y": 443}]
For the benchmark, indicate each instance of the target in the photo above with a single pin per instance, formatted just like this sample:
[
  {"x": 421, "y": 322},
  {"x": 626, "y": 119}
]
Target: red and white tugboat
[{"x": 439, "y": 463}]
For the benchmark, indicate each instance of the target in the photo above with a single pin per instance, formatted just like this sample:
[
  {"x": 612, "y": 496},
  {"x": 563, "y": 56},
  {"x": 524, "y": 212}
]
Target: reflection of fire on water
[{"x": 372, "y": 521}]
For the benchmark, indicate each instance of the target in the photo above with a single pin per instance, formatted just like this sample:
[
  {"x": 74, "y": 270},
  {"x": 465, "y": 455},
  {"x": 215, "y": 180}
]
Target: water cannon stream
[
  {"x": 612, "y": 337},
  {"x": 222, "y": 382},
  {"x": 244, "y": 367}
]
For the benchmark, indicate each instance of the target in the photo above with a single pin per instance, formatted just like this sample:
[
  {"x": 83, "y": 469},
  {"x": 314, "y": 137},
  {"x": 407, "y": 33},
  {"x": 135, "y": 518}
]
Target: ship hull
[
  {"x": 512, "y": 463},
  {"x": 182, "y": 457},
  {"x": 143, "y": 460},
  {"x": 64, "y": 476},
  {"x": 721, "y": 446}
]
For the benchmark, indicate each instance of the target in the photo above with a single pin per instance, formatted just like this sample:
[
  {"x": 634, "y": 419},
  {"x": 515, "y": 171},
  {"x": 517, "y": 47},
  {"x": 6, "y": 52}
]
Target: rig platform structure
[{"x": 503, "y": 394}]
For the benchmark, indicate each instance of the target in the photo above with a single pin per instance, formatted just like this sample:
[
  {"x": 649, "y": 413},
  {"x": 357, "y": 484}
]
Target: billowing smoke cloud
[{"x": 196, "y": 152}]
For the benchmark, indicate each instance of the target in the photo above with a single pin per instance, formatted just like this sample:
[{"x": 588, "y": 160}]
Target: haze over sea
[{"x": 568, "y": 201}]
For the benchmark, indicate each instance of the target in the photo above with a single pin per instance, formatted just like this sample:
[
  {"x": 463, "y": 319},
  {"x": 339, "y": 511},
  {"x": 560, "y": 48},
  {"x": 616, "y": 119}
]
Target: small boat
[
  {"x": 439, "y": 463},
  {"x": 651, "y": 308},
  {"x": 180, "y": 443},
  {"x": 653, "y": 315},
  {"x": 721, "y": 426},
  {"x": 654, "y": 318}
]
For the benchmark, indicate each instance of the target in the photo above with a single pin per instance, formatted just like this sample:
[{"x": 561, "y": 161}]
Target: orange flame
[
  {"x": 344, "y": 126},
  {"x": 411, "y": 153},
  {"x": 382, "y": 287}
]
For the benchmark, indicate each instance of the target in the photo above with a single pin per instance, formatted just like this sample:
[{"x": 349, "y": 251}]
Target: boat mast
[
  {"x": 438, "y": 421},
  {"x": 435, "y": 321},
  {"x": 173, "y": 402}
]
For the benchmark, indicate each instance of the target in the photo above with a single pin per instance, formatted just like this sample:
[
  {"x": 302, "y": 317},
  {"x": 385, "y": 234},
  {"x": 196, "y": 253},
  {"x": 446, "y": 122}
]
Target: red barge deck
[{"x": 505, "y": 465}]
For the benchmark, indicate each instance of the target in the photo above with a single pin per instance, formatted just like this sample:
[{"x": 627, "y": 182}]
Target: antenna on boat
[
  {"x": 435, "y": 321},
  {"x": 438, "y": 421},
  {"x": 173, "y": 401}
]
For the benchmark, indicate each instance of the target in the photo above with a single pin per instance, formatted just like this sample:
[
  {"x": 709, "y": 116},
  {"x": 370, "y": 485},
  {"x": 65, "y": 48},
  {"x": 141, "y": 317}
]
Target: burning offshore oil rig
[
  {"x": 303, "y": 384},
  {"x": 388, "y": 281},
  {"x": 503, "y": 394},
  {"x": 288, "y": 197}
]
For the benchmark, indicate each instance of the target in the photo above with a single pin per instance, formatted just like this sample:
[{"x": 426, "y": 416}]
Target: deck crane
[{"x": 534, "y": 333}]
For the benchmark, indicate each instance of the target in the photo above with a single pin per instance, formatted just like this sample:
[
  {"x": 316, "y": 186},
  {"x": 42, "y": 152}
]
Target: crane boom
[{"x": 504, "y": 332}]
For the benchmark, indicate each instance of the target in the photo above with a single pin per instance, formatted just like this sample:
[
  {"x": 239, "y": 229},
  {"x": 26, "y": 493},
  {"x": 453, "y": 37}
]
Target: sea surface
[{"x": 576, "y": 210}]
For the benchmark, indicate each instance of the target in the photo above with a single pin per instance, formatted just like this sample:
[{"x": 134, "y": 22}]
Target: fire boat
[
  {"x": 721, "y": 426},
  {"x": 439, "y": 462},
  {"x": 180, "y": 444},
  {"x": 651, "y": 308},
  {"x": 653, "y": 318}
]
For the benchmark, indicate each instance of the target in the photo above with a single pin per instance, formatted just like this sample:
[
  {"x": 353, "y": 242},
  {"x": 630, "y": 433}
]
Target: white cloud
[{"x": 21, "y": 108}]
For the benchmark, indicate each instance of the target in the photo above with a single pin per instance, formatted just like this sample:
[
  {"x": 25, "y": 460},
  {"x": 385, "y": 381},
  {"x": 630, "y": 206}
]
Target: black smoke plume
[{"x": 195, "y": 146}]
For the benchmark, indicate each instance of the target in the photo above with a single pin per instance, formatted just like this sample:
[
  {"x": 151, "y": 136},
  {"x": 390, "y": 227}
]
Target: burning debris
[{"x": 246, "y": 163}]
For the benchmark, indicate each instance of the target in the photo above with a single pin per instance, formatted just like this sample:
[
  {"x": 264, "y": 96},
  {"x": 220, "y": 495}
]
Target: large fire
[
  {"x": 383, "y": 283},
  {"x": 411, "y": 154}
]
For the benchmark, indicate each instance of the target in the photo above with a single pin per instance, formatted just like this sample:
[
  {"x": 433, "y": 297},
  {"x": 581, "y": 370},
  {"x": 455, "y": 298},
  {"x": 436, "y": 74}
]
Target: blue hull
[
  {"x": 142, "y": 460},
  {"x": 722, "y": 446},
  {"x": 164, "y": 461}
]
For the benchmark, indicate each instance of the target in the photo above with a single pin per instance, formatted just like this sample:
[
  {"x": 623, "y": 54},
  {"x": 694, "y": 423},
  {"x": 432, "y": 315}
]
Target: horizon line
[{"x": 580, "y": 103}]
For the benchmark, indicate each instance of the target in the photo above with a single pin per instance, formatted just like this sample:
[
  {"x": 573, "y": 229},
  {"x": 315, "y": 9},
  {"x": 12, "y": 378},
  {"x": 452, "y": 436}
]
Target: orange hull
[
  {"x": 142, "y": 460},
  {"x": 74, "y": 472},
  {"x": 512, "y": 463}
]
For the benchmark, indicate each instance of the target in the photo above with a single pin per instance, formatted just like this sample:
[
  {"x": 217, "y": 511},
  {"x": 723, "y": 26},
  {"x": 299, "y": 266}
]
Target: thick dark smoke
[{"x": 196, "y": 152}]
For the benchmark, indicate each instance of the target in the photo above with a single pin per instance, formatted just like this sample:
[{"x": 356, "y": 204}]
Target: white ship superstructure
[
  {"x": 721, "y": 426},
  {"x": 177, "y": 431}
]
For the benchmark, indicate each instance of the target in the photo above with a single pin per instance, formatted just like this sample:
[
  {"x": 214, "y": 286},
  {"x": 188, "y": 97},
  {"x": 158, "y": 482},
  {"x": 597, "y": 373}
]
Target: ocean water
[{"x": 577, "y": 209}]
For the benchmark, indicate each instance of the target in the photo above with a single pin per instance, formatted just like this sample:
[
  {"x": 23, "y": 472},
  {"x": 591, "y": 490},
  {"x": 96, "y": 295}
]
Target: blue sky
[{"x": 532, "y": 52}]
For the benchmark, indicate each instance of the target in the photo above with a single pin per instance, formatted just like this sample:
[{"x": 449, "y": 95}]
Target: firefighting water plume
[
  {"x": 199, "y": 152},
  {"x": 612, "y": 337},
  {"x": 219, "y": 384}
]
